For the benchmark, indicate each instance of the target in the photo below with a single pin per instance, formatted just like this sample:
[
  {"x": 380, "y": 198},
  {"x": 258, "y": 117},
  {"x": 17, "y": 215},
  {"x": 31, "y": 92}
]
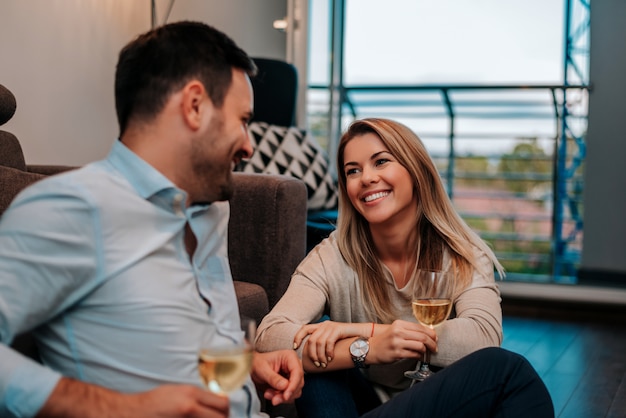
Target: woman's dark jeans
[{"x": 491, "y": 382}]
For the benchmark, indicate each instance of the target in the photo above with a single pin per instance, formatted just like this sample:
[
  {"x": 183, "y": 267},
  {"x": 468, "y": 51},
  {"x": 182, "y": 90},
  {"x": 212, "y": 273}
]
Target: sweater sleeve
[
  {"x": 303, "y": 303},
  {"x": 321, "y": 285},
  {"x": 477, "y": 319}
]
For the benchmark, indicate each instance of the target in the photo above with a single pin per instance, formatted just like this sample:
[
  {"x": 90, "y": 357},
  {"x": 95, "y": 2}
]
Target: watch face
[{"x": 359, "y": 347}]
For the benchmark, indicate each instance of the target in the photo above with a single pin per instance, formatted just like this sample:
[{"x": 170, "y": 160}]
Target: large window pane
[{"x": 451, "y": 41}]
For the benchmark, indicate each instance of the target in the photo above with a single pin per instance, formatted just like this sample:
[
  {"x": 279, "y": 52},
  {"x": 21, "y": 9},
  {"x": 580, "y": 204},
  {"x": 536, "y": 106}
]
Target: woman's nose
[{"x": 369, "y": 175}]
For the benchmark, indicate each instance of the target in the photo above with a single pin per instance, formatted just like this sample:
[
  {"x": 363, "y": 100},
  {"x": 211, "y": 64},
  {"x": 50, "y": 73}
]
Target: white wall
[
  {"x": 58, "y": 57},
  {"x": 604, "y": 240}
]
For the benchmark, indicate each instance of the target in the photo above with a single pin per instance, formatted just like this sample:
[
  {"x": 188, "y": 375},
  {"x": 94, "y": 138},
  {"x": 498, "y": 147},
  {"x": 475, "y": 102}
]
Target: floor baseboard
[{"x": 571, "y": 302}]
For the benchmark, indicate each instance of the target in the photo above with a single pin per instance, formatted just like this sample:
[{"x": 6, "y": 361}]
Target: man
[{"x": 121, "y": 266}]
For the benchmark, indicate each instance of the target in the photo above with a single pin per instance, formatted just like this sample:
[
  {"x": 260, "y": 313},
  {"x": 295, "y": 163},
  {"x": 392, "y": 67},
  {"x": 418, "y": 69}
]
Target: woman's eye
[
  {"x": 351, "y": 171},
  {"x": 381, "y": 161}
]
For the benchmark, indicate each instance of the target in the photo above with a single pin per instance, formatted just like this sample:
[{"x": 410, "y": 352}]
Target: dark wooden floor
[{"x": 578, "y": 350}]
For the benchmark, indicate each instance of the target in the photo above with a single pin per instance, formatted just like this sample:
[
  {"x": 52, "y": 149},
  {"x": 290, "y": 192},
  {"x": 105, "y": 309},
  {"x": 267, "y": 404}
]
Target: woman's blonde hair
[{"x": 437, "y": 222}]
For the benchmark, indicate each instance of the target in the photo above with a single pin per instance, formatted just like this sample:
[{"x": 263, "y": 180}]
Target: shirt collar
[{"x": 144, "y": 178}]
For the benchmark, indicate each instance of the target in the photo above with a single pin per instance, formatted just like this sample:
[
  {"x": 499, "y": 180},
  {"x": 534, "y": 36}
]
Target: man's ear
[{"x": 195, "y": 104}]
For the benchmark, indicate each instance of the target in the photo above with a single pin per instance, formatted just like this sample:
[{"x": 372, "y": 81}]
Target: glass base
[{"x": 420, "y": 374}]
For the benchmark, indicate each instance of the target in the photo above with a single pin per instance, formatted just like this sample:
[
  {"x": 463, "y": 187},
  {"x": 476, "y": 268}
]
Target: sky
[{"x": 445, "y": 41}]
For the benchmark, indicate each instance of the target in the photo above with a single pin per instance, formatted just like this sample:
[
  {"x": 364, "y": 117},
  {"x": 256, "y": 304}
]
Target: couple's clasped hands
[{"x": 390, "y": 342}]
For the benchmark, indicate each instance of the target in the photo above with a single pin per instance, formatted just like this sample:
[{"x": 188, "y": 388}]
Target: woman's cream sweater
[{"x": 323, "y": 284}]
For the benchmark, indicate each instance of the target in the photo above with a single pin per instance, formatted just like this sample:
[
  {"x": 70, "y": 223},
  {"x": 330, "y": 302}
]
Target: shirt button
[{"x": 178, "y": 204}]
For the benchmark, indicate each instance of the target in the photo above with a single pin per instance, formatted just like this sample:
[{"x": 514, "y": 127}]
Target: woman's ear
[{"x": 195, "y": 103}]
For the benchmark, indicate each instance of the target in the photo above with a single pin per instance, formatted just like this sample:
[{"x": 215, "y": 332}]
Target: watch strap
[{"x": 359, "y": 362}]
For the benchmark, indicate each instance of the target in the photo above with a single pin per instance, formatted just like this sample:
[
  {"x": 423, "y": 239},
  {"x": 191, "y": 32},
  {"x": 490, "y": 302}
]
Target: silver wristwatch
[{"x": 358, "y": 350}]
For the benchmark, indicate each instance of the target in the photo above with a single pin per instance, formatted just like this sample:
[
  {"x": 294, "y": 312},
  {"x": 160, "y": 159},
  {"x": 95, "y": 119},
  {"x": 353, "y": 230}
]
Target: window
[{"x": 483, "y": 83}]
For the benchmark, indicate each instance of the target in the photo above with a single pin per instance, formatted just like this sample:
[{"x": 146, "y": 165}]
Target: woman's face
[{"x": 378, "y": 186}]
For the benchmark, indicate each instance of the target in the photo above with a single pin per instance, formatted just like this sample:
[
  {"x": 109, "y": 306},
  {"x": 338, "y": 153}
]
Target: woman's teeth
[{"x": 375, "y": 196}]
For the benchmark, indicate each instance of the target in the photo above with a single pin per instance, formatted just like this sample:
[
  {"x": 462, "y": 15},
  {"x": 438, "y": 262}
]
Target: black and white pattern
[{"x": 288, "y": 151}]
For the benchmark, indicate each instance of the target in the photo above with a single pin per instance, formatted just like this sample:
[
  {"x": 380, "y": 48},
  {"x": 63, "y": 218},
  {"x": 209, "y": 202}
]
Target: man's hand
[
  {"x": 71, "y": 398},
  {"x": 279, "y": 375}
]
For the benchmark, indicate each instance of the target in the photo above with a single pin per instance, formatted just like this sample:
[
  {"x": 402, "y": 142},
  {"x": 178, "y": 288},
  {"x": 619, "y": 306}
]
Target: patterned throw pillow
[{"x": 288, "y": 151}]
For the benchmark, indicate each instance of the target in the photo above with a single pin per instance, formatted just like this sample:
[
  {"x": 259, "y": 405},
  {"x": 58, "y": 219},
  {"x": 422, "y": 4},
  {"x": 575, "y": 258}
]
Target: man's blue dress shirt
[{"x": 94, "y": 261}]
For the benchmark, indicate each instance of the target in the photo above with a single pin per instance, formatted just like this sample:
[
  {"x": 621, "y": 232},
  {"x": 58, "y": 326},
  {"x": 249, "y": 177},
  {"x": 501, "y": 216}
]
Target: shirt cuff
[{"x": 27, "y": 388}]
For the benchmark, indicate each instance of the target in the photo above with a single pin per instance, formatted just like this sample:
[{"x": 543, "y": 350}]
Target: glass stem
[{"x": 426, "y": 360}]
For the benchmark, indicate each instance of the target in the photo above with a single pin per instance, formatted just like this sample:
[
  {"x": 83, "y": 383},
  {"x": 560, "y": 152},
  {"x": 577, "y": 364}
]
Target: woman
[{"x": 394, "y": 218}]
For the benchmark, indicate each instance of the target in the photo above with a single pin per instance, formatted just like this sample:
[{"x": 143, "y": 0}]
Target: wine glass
[
  {"x": 225, "y": 367},
  {"x": 432, "y": 302}
]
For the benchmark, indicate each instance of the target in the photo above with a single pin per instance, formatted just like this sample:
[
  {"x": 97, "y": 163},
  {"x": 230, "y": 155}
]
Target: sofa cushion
[
  {"x": 290, "y": 151},
  {"x": 252, "y": 300},
  {"x": 267, "y": 231},
  {"x": 11, "y": 154},
  {"x": 12, "y": 181}
]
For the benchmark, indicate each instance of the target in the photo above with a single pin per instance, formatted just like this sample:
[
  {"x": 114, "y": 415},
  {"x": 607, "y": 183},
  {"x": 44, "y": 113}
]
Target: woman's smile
[{"x": 375, "y": 196}]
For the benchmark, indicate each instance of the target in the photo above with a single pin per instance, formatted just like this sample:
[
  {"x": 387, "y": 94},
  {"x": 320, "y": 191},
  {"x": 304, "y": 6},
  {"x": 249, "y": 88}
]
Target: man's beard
[
  {"x": 226, "y": 190},
  {"x": 214, "y": 182},
  {"x": 213, "y": 178}
]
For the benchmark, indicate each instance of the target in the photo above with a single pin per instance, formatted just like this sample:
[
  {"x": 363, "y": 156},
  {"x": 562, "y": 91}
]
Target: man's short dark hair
[{"x": 161, "y": 61}]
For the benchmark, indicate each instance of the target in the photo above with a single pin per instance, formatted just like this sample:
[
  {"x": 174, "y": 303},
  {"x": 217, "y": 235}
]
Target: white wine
[
  {"x": 225, "y": 370},
  {"x": 431, "y": 312}
]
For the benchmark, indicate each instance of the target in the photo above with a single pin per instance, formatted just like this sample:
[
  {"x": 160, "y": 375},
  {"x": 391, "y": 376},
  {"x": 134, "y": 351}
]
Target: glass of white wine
[
  {"x": 224, "y": 368},
  {"x": 432, "y": 303}
]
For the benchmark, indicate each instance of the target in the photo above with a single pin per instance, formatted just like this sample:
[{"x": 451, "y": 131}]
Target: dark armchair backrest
[
  {"x": 275, "y": 92},
  {"x": 10, "y": 150}
]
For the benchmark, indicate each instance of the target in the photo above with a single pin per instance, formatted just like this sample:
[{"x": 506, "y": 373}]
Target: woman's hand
[
  {"x": 400, "y": 340},
  {"x": 391, "y": 342},
  {"x": 324, "y": 335}
]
